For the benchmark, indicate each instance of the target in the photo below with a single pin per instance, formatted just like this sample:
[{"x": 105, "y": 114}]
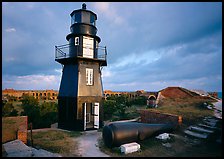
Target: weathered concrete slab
[
  {"x": 200, "y": 129},
  {"x": 210, "y": 123},
  {"x": 211, "y": 120},
  {"x": 197, "y": 135},
  {"x": 17, "y": 148},
  {"x": 207, "y": 126},
  {"x": 209, "y": 117}
]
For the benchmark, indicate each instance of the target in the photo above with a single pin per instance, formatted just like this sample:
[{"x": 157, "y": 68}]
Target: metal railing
[{"x": 62, "y": 51}]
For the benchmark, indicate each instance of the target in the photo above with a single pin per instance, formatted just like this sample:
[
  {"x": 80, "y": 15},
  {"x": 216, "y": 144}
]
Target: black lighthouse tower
[{"x": 81, "y": 93}]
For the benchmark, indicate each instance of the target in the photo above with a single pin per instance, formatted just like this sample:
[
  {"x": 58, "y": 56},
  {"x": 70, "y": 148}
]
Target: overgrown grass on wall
[
  {"x": 191, "y": 109},
  {"x": 10, "y": 126}
]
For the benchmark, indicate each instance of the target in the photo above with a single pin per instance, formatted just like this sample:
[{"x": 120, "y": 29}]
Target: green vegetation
[
  {"x": 176, "y": 146},
  {"x": 191, "y": 109},
  {"x": 115, "y": 105},
  {"x": 121, "y": 107},
  {"x": 140, "y": 100},
  {"x": 57, "y": 141},
  {"x": 8, "y": 110},
  {"x": 17, "y": 106},
  {"x": 151, "y": 147},
  {"x": 31, "y": 109},
  {"x": 40, "y": 114}
]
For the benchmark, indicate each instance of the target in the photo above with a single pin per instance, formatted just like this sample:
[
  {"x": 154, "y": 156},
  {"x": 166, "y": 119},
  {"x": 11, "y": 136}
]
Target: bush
[
  {"x": 140, "y": 100},
  {"x": 39, "y": 115},
  {"x": 48, "y": 113},
  {"x": 9, "y": 110},
  {"x": 109, "y": 109},
  {"x": 116, "y": 105}
]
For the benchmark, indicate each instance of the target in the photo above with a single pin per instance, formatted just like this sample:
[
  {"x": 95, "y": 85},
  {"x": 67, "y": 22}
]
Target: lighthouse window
[
  {"x": 97, "y": 44},
  {"x": 76, "y": 40},
  {"x": 77, "y": 18},
  {"x": 89, "y": 76},
  {"x": 92, "y": 19},
  {"x": 88, "y": 47}
]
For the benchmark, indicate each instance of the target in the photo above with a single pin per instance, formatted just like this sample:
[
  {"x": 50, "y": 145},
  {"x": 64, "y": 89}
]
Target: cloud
[
  {"x": 107, "y": 73},
  {"x": 10, "y": 30},
  {"x": 102, "y": 6},
  {"x": 139, "y": 58},
  {"x": 195, "y": 61},
  {"x": 149, "y": 45},
  {"x": 35, "y": 82},
  {"x": 109, "y": 11},
  {"x": 58, "y": 70},
  {"x": 30, "y": 5}
]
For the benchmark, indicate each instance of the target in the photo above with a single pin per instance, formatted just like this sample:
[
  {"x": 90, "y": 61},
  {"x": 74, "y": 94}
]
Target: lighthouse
[{"x": 82, "y": 59}]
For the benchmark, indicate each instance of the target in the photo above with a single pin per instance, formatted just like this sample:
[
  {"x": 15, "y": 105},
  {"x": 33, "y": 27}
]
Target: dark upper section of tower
[
  {"x": 82, "y": 39},
  {"x": 83, "y": 22}
]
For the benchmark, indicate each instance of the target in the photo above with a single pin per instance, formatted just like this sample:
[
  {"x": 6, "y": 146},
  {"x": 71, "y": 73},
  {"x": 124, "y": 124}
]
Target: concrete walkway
[{"x": 88, "y": 144}]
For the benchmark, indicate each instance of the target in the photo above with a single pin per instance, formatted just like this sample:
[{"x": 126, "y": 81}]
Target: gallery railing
[{"x": 63, "y": 51}]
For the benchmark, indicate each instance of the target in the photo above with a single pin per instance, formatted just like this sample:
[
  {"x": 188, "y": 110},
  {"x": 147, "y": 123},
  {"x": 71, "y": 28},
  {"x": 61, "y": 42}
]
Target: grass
[
  {"x": 57, "y": 141},
  {"x": 10, "y": 127},
  {"x": 180, "y": 147},
  {"x": 192, "y": 110},
  {"x": 8, "y": 130},
  {"x": 151, "y": 147}
]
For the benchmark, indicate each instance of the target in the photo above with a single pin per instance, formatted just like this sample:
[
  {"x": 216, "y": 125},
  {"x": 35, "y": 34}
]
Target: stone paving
[{"x": 17, "y": 148}]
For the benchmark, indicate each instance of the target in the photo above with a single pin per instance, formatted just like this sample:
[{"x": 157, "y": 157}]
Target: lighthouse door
[
  {"x": 96, "y": 115},
  {"x": 91, "y": 115}
]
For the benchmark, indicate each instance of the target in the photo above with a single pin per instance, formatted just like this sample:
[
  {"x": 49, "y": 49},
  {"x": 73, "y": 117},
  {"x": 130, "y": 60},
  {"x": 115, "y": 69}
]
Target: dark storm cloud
[
  {"x": 160, "y": 25},
  {"x": 150, "y": 45}
]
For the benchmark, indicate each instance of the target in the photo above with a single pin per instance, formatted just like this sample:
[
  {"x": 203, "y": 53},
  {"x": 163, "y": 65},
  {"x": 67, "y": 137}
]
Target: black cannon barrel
[{"x": 118, "y": 133}]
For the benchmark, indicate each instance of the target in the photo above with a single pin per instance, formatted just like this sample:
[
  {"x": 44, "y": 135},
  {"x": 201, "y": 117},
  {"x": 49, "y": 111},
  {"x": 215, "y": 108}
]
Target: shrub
[
  {"x": 41, "y": 115},
  {"x": 9, "y": 110}
]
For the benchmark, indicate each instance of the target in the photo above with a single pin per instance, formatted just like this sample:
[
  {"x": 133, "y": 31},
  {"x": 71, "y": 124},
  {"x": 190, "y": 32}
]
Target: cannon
[{"x": 118, "y": 133}]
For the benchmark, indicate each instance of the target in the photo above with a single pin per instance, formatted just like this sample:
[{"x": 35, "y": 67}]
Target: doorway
[{"x": 91, "y": 115}]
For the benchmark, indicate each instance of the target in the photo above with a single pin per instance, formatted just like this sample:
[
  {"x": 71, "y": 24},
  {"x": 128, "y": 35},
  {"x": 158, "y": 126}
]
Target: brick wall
[
  {"x": 14, "y": 128},
  {"x": 38, "y": 94},
  {"x": 148, "y": 116}
]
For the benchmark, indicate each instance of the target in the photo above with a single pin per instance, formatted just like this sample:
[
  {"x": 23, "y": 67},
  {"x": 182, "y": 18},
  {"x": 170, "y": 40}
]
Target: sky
[{"x": 150, "y": 45}]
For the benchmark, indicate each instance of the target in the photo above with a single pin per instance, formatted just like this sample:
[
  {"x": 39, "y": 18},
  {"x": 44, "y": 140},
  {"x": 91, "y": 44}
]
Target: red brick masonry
[{"x": 148, "y": 116}]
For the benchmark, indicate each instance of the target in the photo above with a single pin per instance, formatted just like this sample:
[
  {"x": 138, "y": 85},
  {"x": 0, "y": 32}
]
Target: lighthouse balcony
[{"x": 67, "y": 52}]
